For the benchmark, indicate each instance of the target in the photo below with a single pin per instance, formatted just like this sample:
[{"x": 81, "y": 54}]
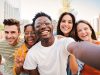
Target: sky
[
  {"x": 86, "y": 9},
  {"x": 82, "y": 9}
]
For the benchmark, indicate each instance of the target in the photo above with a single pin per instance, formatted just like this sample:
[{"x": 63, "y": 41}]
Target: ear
[{"x": 19, "y": 33}]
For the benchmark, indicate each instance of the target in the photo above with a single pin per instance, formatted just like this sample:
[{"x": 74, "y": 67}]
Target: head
[
  {"x": 43, "y": 25},
  {"x": 29, "y": 35},
  {"x": 84, "y": 31},
  {"x": 12, "y": 31},
  {"x": 66, "y": 24}
]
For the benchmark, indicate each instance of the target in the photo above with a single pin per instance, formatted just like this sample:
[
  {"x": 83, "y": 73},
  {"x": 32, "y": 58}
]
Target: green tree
[{"x": 1, "y": 27}]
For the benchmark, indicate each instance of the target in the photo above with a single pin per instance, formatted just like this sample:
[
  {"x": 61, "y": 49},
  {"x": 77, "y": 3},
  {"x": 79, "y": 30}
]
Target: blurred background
[{"x": 24, "y": 11}]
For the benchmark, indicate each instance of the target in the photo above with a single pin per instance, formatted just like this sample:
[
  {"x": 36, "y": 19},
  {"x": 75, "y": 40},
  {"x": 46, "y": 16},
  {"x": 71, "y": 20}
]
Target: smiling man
[
  {"x": 10, "y": 44},
  {"x": 50, "y": 54}
]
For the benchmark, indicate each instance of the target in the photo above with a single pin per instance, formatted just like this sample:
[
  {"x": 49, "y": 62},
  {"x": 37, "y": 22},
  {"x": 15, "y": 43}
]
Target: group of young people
[{"x": 42, "y": 53}]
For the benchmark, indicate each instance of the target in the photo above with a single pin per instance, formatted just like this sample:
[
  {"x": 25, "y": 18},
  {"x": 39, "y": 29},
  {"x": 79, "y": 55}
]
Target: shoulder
[
  {"x": 67, "y": 39},
  {"x": 96, "y": 42},
  {"x": 35, "y": 48},
  {"x": 22, "y": 50},
  {"x": 3, "y": 44},
  {"x": 3, "y": 41},
  {"x": 22, "y": 47}
]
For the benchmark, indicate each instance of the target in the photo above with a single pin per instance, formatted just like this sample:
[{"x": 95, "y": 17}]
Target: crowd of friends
[{"x": 75, "y": 49}]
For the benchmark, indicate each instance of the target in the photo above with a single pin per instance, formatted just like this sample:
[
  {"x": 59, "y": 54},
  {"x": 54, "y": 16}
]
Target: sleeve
[
  {"x": 68, "y": 41},
  {"x": 30, "y": 61}
]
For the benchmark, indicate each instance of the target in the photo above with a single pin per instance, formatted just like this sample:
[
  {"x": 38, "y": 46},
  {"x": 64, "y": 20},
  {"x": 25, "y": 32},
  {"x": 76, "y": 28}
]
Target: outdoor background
[{"x": 24, "y": 11}]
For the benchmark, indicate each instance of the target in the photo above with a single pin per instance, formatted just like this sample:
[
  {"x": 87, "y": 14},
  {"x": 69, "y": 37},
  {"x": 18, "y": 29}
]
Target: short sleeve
[
  {"x": 30, "y": 62},
  {"x": 68, "y": 41}
]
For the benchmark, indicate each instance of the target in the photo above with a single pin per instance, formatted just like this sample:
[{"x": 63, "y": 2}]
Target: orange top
[
  {"x": 88, "y": 70},
  {"x": 21, "y": 53}
]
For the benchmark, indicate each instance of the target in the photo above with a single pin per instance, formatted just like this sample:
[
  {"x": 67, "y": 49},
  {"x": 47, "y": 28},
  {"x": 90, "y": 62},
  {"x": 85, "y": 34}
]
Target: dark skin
[
  {"x": 44, "y": 30},
  {"x": 87, "y": 52},
  {"x": 47, "y": 42},
  {"x": 29, "y": 34},
  {"x": 34, "y": 72}
]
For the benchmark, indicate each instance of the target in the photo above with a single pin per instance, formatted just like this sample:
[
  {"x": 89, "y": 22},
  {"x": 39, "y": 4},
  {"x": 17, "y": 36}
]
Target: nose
[
  {"x": 83, "y": 31},
  {"x": 29, "y": 34},
  {"x": 9, "y": 35},
  {"x": 43, "y": 26}
]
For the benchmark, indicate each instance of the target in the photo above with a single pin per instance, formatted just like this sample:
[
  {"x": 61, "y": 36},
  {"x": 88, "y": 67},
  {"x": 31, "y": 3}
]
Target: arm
[
  {"x": 73, "y": 64},
  {"x": 18, "y": 65},
  {"x": 87, "y": 52},
  {"x": 34, "y": 72},
  {"x": 19, "y": 57}
]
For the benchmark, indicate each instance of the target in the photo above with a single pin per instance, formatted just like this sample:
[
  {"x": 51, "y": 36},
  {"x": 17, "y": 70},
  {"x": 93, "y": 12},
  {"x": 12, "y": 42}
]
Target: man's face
[
  {"x": 43, "y": 27},
  {"x": 11, "y": 34}
]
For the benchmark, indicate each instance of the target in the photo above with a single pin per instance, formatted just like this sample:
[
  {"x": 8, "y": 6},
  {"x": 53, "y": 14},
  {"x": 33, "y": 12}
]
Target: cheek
[
  {"x": 16, "y": 35},
  {"x": 61, "y": 27},
  {"x": 71, "y": 26},
  {"x": 79, "y": 34}
]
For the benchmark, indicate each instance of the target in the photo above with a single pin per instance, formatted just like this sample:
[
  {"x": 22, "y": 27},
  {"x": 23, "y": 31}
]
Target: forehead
[
  {"x": 11, "y": 28},
  {"x": 81, "y": 25},
  {"x": 29, "y": 28},
  {"x": 42, "y": 19},
  {"x": 68, "y": 17}
]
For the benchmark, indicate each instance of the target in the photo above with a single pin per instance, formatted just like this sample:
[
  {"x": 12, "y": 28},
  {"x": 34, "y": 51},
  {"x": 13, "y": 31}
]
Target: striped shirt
[{"x": 7, "y": 51}]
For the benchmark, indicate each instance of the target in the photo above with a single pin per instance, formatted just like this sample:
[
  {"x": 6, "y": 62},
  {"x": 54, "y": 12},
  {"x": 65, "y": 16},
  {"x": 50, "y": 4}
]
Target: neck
[
  {"x": 15, "y": 43},
  {"x": 67, "y": 35},
  {"x": 47, "y": 42}
]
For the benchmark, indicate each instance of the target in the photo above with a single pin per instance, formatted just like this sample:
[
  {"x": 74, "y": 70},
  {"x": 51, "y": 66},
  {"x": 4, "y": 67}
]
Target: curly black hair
[{"x": 39, "y": 15}]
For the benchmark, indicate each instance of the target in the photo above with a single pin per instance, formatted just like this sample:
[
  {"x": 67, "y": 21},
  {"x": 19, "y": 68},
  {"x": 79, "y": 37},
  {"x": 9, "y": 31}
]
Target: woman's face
[
  {"x": 84, "y": 32},
  {"x": 66, "y": 24},
  {"x": 30, "y": 36}
]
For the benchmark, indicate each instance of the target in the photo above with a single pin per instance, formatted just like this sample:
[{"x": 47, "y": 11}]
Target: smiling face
[
  {"x": 84, "y": 32},
  {"x": 30, "y": 36},
  {"x": 66, "y": 24},
  {"x": 43, "y": 27},
  {"x": 11, "y": 34}
]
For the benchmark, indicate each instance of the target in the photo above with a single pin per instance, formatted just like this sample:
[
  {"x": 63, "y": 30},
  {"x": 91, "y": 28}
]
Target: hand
[{"x": 19, "y": 60}]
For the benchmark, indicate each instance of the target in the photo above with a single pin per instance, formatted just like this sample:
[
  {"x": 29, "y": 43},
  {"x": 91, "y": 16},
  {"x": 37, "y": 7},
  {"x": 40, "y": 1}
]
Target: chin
[{"x": 31, "y": 44}]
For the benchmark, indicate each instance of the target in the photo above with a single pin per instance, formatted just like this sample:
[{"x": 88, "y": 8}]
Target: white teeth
[
  {"x": 44, "y": 32},
  {"x": 65, "y": 28},
  {"x": 30, "y": 41}
]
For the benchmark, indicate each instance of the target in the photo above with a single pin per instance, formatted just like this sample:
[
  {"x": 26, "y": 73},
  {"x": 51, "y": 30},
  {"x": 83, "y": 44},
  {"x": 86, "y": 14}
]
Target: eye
[
  {"x": 70, "y": 22},
  {"x": 6, "y": 32},
  {"x": 79, "y": 30},
  {"x": 37, "y": 25},
  {"x": 13, "y": 32},
  {"x": 47, "y": 23},
  {"x": 63, "y": 21},
  {"x": 85, "y": 28}
]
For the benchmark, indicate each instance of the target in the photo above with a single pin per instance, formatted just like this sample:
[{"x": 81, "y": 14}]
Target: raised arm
[{"x": 87, "y": 52}]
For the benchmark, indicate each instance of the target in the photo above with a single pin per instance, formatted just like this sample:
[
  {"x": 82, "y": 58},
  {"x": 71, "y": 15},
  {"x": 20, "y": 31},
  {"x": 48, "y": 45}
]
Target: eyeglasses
[{"x": 31, "y": 33}]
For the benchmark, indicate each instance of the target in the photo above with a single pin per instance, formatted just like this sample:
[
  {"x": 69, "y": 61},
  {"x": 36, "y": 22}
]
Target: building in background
[
  {"x": 1, "y": 10},
  {"x": 12, "y": 9},
  {"x": 9, "y": 9},
  {"x": 95, "y": 22}
]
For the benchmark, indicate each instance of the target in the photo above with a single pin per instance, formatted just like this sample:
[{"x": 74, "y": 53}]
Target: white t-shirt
[{"x": 50, "y": 60}]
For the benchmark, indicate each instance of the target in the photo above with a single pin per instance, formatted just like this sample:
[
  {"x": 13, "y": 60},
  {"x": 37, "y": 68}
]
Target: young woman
[
  {"x": 30, "y": 39},
  {"x": 85, "y": 32},
  {"x": 66, "y": 24}
]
